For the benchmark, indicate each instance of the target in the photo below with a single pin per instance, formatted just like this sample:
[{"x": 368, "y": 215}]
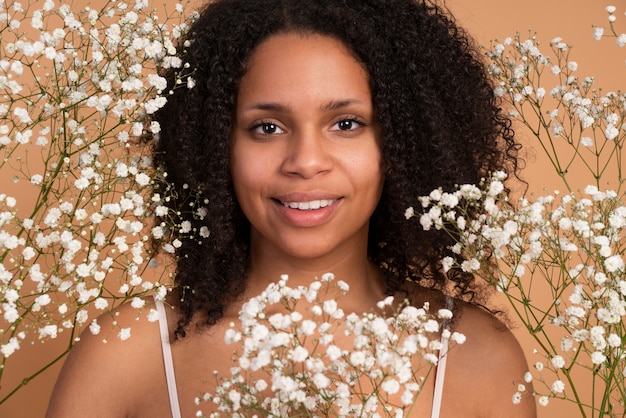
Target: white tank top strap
[
  {"x": 441, "y": 364},
  {"x": 167, "y": 359}
]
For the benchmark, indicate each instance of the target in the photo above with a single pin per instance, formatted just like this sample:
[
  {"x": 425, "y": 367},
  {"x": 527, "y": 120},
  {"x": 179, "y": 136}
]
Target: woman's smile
[{"x": 307, "y": 213}]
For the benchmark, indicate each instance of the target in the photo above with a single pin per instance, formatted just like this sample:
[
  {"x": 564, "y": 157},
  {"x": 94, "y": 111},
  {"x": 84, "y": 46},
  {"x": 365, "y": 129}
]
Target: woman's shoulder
[
  {"x": 470, "y": 319},
  {"x": 491, "y": 361},
  {"x": 483, "y": 373},
  {"x": 111, "y": 365}
]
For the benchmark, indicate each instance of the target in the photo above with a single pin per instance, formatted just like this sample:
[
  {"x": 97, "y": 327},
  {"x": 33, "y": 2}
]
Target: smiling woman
[{"x": 311, "y": 128}]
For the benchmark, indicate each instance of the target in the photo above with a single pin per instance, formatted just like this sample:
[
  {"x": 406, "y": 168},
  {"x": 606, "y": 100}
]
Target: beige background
[{"x": 485, "y": 19}]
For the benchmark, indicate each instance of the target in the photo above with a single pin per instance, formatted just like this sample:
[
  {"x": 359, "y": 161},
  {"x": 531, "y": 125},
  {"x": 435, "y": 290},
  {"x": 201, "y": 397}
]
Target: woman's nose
[{"x": 308, "y": 154}]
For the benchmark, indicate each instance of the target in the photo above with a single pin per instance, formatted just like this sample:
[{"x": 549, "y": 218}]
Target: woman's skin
[{"x": 304, "y": 136}]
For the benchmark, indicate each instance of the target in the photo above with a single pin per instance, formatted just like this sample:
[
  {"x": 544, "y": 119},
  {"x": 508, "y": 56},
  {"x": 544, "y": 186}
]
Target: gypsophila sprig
[
  {"x": 579, "y": 127},
  {"x": 77, "y": 87},
  {"x": 299, "y": 354},
  {"x": 601, "y": 31},
  {"x": 569, "y": 249}
]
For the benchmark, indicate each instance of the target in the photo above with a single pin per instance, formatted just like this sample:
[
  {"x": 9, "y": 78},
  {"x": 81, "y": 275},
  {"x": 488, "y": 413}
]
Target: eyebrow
[
  {"x": 276, "y": 107},
  {"x": 338, "y": 104},
  {"x": 269, "y": 106}
]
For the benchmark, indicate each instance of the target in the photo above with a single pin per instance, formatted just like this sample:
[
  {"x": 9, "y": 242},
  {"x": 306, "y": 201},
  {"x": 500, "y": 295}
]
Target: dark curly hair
[{"x": 440, "y": 126}]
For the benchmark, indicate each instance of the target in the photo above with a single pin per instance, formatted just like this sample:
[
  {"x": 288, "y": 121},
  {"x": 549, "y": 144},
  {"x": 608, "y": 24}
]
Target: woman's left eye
[
  {"x": 266, "y": 128},
  {"x": 347, "y": 125}
]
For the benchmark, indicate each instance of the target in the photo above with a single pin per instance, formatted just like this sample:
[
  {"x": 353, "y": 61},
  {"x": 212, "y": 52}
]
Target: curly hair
[{"x": 440, "y": 126}]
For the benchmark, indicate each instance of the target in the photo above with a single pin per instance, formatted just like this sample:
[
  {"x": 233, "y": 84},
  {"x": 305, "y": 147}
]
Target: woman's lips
[{"x": 306, "y": 212}]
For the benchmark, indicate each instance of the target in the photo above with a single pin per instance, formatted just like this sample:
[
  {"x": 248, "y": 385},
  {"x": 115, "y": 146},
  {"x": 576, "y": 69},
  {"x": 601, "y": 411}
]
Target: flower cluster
[
  {"x": 569, "y": 248},
  {"x": 76, "y": 92},
  {"x": 579, "y": 128},
  {"x": 299, "y": 354},
  {"x": 599, "y": 31},
  {"x": 566, "y": 247}
]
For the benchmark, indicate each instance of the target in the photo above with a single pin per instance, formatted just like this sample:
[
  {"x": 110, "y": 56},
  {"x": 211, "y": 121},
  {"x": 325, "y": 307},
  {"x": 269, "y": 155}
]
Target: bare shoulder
[
  {"x": 103, "y": 373},
  {"x": 492, "y": 362}
]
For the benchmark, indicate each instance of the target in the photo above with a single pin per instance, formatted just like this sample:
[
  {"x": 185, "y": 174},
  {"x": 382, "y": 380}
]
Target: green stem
[{"x": 28, "y": 379}]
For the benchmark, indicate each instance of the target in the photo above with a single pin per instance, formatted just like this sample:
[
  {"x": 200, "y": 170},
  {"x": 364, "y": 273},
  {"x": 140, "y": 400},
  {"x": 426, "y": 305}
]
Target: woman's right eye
[{"x": 267, "y": 128}]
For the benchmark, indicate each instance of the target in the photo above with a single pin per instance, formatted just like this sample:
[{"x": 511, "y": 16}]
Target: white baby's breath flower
[
  {"x": 431, "y": 358},
  {"x": 153, "y": 105},
  {"x": 597, "y": 33},
  {"x": 390, "y": 386},
  {"x": 308, "y": 327},
  {"x": 614, "y": 340},
  {"x": 124, "y": 334},
  {"x": 330, "y": 306},
  {"x": 28, "y": 253},
  {"x": 161, "y": 211},
  {"x": 558, "y": 386},
  {"x": 540, "y": 93},
  {"x": 614, "y": 263},
  {"x": 598, "y": 357},
  {"x": 499, "y": 91},
  {"x": 458, "y": 338},
  {"x": 333, "y": 352},
  {"x": 357, "y": 358},
  {"x": 157, "y": 81},
  {"x": 48, "y": 331},
  {"x": 10, "y": 347},
  {"x": 82, "y": 183},
  {"x": 495, "y": 188},
  {"x": 447, "y": 263},
  {"x": 470, "y": 265},
  {"x": 586, "y": 141},
  {"x": 204, "y": 232},
  {"x": 299, "y": 354},
  {"x": 611, "y": 132},
  {"x": 155, "y": 127},
  {"x": 22, "y": 115},
  {"x": 321, "y": 381},
  {"x": 528, "y": 377},
  {"x": 142, "y": 179},
  {"x": 343, "y": 286},
  {"x": 123, "y": 137},
  {"x": 558, "y": 362},
  {"x": 94, "y": 327},
  {"x": 43, "y": 300},
  {"x": 137, "y": 303},
  {"x": 185, "y": 227}
]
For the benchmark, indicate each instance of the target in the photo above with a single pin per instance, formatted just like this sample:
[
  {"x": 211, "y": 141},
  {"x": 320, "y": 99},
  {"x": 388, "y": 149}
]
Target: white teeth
[{"x": 312, "y": 205}]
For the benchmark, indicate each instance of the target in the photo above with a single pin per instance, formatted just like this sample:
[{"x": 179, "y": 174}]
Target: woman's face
[{"x": 305, "y": 157}]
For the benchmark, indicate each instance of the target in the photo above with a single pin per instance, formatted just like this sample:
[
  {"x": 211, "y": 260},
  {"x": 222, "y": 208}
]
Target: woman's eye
[
  {"x": 267, "y": 128},
  {"x": 347, "y": 125}
]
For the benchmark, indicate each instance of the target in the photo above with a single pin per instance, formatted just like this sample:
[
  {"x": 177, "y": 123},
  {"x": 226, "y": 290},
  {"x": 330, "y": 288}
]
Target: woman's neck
[{"x": 366, "y": 281}]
